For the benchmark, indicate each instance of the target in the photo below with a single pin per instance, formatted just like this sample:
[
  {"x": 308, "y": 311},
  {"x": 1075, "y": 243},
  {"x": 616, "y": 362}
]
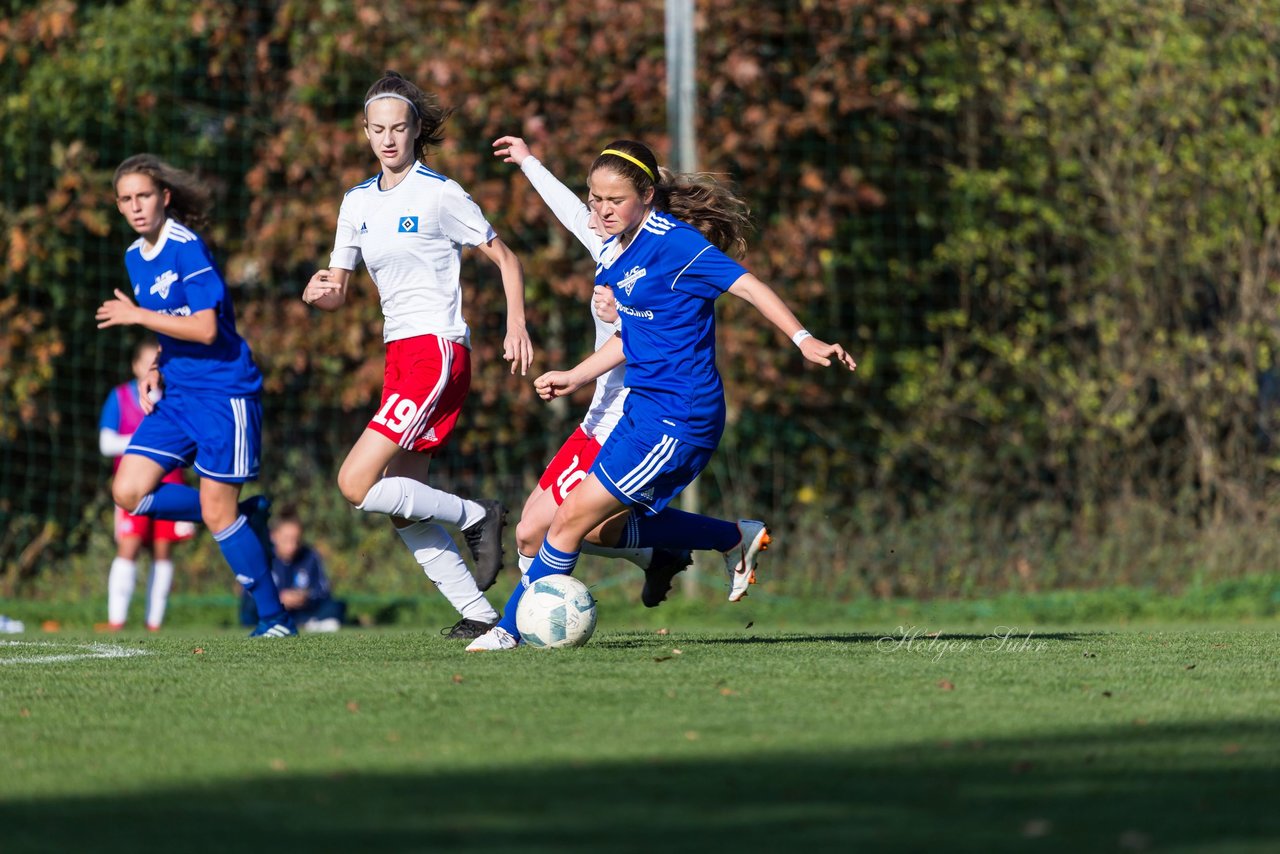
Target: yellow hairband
[{"x": 626, "y": 156}]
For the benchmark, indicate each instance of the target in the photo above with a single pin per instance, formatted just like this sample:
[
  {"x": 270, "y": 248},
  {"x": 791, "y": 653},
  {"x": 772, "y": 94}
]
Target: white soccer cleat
[
  {"x": 497, "y": 638},
  {"x": 740, "y": 561}
]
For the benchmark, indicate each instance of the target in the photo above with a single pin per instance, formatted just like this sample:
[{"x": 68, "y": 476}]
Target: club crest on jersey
[
  {"x": 163, "y": 283},
  {"x": 364, "y": 229},
  {"x": 628, "y": 281},
  {"x": 408, "y": 225}
]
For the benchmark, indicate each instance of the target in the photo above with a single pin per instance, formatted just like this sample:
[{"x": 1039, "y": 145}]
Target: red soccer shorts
[
  {"x": 570, "y": 465},
  {"x": 151, "y": 530},
  {"x": 424, "y": 385}
]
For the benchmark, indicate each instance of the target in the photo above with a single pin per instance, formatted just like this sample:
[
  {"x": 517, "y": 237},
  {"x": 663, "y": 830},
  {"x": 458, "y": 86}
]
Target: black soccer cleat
[
  {"x": 662, "y": 567},
  {"x": 466, "y": 629},
  {"x": 484, "y": 539}
]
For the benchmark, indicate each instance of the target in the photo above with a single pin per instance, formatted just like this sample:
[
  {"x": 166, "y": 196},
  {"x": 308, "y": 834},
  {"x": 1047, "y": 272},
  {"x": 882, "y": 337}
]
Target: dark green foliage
[{"x": 1047, "y": 232}]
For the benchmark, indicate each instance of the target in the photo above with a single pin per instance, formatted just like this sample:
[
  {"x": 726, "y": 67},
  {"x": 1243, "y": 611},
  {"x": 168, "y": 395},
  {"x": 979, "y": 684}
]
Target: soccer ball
[{"x": 556, "y": 610}]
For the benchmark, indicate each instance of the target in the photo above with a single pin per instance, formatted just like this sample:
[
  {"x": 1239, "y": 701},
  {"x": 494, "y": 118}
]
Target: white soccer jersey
[
  {"x": 410, "y": 238},
  {"x": 611, "y": 388}
]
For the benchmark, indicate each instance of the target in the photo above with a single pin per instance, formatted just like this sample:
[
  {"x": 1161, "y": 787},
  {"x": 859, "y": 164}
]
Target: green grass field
[{"x": 1141, "y": 738}]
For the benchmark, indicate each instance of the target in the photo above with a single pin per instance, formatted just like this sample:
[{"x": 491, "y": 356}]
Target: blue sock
[
  {"x": 676, "y": 529},
  {"x": 241, "y": 548},
  {"x": 550, "y": 561},
  {"x": 171, "y": 501}
]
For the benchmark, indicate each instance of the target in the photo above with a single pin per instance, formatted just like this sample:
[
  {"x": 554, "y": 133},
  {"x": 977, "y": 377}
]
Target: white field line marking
[{"x": 94, "y": 650}]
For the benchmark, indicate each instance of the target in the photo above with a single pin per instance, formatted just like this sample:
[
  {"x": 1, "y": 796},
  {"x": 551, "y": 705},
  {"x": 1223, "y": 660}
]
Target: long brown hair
[
  {"x": 189, "y": 198},
  {"x": 698, "y": 198},
  {"x": 429, "y": 114}
]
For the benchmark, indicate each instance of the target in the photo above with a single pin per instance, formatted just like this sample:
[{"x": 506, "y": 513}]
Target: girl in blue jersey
[
  {"x": 665, "y": 262},
  {"x": 202, "y": 397}
]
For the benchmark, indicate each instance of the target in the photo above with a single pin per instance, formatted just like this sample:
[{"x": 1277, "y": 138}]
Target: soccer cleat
[
  {"x": 466, "y": 629},
  {"x": 484, "y": 538},
  {"x": 662, "y": 567},
  {"x": 497, "y": 638},
  {"x": 257, "y": 512},
  {"x": 279, "y": 627},
  {"x": 742, "y": 572}
]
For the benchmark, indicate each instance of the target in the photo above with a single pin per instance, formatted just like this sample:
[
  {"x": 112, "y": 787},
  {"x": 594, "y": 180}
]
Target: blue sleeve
[
  {"x": 110, "y": 418},
  {"x": 319, "y": 583},
  {"x": 708, "y": 272},
  {"x": 200, "y": 277}
]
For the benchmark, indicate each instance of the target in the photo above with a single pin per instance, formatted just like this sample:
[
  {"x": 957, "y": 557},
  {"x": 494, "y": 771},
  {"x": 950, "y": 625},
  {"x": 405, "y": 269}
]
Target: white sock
[
  {"x": 158, "y": 591},
  {"x": 525, "y": 562},
  {"x": 436, "y": 553},
  {"x": 120, "y": 582},
  {"x": 640, "y": 557},
  {"x": 411, "y": 499}
]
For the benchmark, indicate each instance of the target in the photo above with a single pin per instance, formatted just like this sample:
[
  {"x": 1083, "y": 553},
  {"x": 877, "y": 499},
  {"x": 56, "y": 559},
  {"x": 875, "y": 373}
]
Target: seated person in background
[{"x": 299, "y": 576}]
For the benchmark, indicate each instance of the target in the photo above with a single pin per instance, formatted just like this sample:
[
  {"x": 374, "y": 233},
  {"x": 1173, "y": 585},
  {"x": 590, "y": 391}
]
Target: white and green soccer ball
[{"x": 556, "y": 610}]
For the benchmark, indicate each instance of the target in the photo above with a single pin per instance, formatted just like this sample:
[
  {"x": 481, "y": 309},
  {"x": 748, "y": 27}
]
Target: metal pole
[
  {"x": 681, "y": 127},
  {"x": 681, "y": 91}
]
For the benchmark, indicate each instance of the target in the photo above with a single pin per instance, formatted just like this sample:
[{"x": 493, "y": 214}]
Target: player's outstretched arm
[
  {"x": 516, "y": 347},
  {"x": 768, "y": 303},
  {"x": 201, "y": 327},
  {"x": 564, "y": 203},
  {"x": 555, "y": 384},
  {"x": 327, "y": 289}
]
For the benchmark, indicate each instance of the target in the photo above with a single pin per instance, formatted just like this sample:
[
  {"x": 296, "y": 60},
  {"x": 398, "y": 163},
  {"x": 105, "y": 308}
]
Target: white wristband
[{"x": 799, "y": 337}]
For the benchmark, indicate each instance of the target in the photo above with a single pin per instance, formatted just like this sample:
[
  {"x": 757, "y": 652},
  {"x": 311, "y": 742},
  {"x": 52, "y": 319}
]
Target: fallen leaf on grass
[
  {"x": 661, "y": 632},
  {"x": 353, "y": 706},
  {"x": 1190, "y": 667},
  {"x": 728, "y": 692},
  {"x": 1230, "y": 748},
  {"x": 691, "y": 735},
  {"x": 457, "y": 679},
  {"x": 24, "y": 713},
  {"x": 946, "y": 685},
  {"x": 1134, "y": 840},
  {"x": 278, "y": 765},
  {"x": 1036, "y": 828},
  {"x": 677, "y": 652},
  {"x": 198, "y": 651},
  {"x": 51, "y": 626}
]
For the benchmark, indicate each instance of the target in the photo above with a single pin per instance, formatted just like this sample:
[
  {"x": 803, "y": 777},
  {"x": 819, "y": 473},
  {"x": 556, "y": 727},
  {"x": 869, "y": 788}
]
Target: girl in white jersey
[
  {"x": 408, "y": 224},
  {"x": 572, "y": 462}
]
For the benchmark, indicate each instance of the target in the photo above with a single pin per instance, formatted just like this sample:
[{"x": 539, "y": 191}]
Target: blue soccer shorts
[
  {"x": 220, "y": 437},
  {"x": 645, "y": 467}
]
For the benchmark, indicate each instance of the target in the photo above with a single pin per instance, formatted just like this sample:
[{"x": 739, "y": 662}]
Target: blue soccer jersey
[
  {"x": 177, "y": 276},
  {"x": 665, "y": 283}
]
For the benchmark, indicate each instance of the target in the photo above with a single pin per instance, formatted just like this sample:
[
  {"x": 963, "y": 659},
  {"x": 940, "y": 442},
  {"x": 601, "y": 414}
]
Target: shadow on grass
[{"x": 1129, "y": 788}]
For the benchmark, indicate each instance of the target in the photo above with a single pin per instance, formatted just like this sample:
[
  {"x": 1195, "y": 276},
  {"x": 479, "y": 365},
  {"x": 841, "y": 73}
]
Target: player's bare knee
[
  {"x": 352, "y": 487},
  {"x": 529, "y": 536},
  {"x": 126, "y": 496}
]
